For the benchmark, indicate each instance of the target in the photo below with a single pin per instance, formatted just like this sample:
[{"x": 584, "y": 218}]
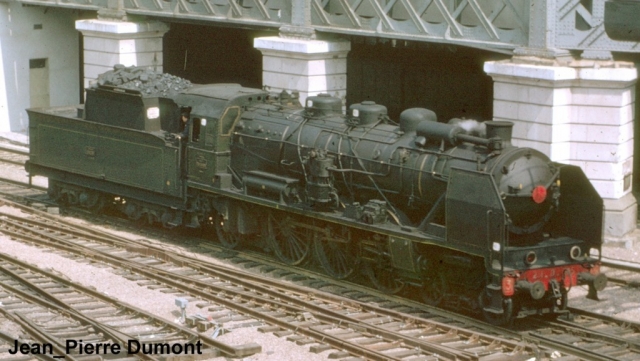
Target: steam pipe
[{"x": 498, "y": 133}]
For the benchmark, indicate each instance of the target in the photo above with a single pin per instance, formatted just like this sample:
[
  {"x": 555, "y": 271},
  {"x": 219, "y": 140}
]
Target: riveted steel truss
[{"x": 499, "y": 25}]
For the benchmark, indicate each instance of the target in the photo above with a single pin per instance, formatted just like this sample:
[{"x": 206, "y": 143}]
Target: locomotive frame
[{"x": 466, "y": 218}]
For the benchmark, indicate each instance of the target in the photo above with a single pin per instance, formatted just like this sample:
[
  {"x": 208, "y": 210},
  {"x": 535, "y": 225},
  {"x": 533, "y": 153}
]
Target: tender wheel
[
  {"x": 384, "y": 278},
  {"x": 133, "y": 211},
  {"x": 433, "y": 290},
  {"x": 335, "y": 256},
  {"x": 92, "y": 201},
  {"x": 290, "y": 243},
  {"x": 99, "y": 204},
  {"x": 226, "y": 237}
]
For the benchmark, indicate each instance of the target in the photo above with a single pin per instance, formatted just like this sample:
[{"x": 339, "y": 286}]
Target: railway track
[
  {"x": 306, "y": 323},
  {"x": 622, "y": 273},
  {"x": 589, "y": 327},
  {"x": 604, "y": 344},
  {"x": 69, "y": 317},
  {"x": 598, "y": 335},
  {"x": 13, "y": 155},
  {"x": 13, "y": 159},
  {"x": 348, "y": 327}
]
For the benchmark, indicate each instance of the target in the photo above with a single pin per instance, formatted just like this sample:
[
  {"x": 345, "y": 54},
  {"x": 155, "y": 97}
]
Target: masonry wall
[
  {"x": 582, "y": 115},
  {"x": 32, "y": 33}
]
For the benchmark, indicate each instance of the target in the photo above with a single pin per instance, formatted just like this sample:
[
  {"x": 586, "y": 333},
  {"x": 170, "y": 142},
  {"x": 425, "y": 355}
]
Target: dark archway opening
[
  {"x": 209, "y": 54},
  {"x": 447, "y": 79}
]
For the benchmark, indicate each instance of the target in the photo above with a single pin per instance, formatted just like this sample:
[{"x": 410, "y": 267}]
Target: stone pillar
[
  {"x": 111, "y": 42},
  {"x": 304, "y": 65},
  {"x": 580, "y": 113}
]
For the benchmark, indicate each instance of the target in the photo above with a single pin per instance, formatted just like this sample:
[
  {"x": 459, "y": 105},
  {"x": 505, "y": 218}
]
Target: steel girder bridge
[{"x": 536, "y": 27}]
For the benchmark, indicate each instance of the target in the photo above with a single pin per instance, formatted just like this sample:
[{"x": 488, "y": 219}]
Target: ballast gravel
[{"x": 103, "y": 279}]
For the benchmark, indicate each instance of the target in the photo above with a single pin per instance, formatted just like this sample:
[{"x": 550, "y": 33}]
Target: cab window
[{"x": 195, "y": 137}]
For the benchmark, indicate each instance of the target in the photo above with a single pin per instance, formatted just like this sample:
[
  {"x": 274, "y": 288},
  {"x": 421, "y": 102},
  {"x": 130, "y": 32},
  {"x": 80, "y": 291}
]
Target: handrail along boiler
[{"x": 453, "y": 210}]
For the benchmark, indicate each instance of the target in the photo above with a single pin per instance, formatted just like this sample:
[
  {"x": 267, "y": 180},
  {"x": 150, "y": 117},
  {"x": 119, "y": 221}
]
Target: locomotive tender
[{"x": 453, "y": 210}]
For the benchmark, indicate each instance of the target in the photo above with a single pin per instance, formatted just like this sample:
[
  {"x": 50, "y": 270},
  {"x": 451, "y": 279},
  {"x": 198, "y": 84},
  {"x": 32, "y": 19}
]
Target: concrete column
[
  {"x": 579, "y": 113},
  {"x": 111, "y": 42},
  {"x": 307, "y": 66}
]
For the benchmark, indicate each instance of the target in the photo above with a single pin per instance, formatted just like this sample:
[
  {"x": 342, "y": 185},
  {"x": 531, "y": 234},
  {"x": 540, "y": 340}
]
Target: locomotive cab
[{"x": 216, "y": 111}]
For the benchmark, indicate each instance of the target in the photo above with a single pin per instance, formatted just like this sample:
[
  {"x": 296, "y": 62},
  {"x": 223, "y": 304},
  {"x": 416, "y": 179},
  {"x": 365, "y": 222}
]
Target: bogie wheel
[
  {"x": 498, "y": 319},
  {"x": 433, "y": 289},
  {"x": 384, "y": 278},
  {"x": 336, "y": 256},
  {"x": 227, "y": 238},
  {"x": 290, "y": 242}
]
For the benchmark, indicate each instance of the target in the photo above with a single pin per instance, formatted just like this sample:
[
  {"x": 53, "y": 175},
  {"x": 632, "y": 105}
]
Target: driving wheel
[
  {"x": 384, "y": 278},
  {"x": 227, "y": 238},
  {"x": 335, "y": 256},
  {"x": 433, "y": 289},
  {"x": 290, "y": 243}
]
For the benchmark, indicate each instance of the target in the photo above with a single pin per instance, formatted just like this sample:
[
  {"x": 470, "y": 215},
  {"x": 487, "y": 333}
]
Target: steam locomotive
[{"x": 452, "y": 211}]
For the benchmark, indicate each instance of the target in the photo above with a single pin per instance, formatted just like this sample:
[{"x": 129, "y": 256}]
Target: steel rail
[
  {"x": 574, "y": 350},
  {"x": 624, "y": 326},
  {"x": 5, "y": 336},
  {"x": 184, "y": 261},
  {"x": 622, "y": 265},
  {"x": 36, "y": 334},
  {"x": 14, "y": 149},
  {"x": 631, "y": 267},
  {"x": 208, "y": 291},
  {"x": 567, "y": 326},
  {"x": 51, "y": 301},
  {"x": 18, "y": 183}
]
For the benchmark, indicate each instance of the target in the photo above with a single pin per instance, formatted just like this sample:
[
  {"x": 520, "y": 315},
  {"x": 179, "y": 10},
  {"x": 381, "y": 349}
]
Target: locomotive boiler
[
  {"x": 450, "y": 211},
  {"x": 481, "y": 202}
]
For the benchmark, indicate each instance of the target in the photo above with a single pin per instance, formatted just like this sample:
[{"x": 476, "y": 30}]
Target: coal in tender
[{"x": 145, "y": 80}]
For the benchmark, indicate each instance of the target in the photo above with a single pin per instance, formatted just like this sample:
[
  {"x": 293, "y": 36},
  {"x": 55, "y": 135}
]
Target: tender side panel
[{"x": 117, "y": 155}]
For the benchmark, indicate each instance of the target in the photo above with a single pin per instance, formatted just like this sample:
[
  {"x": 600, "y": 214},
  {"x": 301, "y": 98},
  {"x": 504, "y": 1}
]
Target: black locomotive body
[{"x": 452, "y": 210}]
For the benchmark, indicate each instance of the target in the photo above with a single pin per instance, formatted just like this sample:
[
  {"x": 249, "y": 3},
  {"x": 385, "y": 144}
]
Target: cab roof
[
  {"x": 212, "y": 99},
  {"x": 228, "y": 92}
]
